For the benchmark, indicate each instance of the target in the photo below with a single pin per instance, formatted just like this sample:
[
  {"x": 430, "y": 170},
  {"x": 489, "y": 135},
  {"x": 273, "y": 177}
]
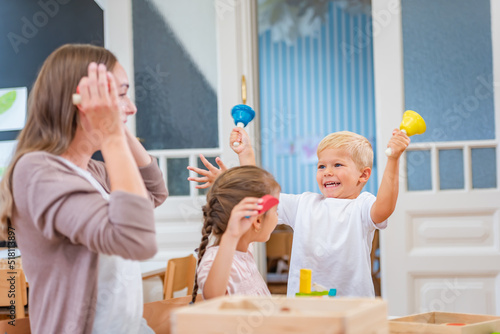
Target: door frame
[
  {"x": 389, "y": 91},
  {"x": 389, "y": 104}
]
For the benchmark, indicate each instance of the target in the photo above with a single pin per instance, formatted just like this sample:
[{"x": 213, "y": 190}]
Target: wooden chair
[
  {"x": 374, "y": 257},
  {"x": 278, "y": 253},
  {"x": 279, "y": 247},
  {"x": 13, "y": 287},
  {"x": 179, "y": 275}
]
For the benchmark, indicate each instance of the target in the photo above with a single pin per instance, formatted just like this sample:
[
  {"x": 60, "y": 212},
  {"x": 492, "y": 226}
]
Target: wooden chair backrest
[
  {"x": 13, "y": 288},
  {"x": 279, "y": 245},
  {"x": 179, "y": 275}
]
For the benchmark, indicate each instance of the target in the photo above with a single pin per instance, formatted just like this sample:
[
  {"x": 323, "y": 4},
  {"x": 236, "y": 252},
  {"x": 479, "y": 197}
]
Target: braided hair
[{"x": 228, "y": 190}]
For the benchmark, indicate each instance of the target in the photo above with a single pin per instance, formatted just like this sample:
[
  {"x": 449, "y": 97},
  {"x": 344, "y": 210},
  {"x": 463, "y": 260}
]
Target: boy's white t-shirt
[{"x": 332, "y": 237}]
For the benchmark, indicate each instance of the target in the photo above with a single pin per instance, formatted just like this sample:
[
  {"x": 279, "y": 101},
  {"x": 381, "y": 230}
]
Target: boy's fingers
[
  {"x": 396, "y": 140},
  {"x": 402, "y": 134},
  {"x": 401, "y": 141},
  {"x": 203, "y": 186}
]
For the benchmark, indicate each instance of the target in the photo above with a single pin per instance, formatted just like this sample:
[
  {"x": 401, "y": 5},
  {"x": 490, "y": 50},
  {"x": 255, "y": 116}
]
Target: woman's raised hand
[{"x": 99, "y": 107}]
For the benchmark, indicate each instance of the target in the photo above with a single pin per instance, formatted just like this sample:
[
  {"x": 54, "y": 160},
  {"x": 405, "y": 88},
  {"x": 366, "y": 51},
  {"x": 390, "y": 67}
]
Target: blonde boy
[{"x": 333, "y": 231}]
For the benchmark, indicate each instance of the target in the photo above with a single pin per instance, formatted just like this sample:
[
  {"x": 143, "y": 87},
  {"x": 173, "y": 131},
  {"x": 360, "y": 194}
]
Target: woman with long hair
[{"x": 82, "y": 225}]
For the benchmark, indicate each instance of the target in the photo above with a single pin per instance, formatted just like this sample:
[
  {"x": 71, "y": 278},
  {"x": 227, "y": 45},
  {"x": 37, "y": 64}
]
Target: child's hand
[
  {"x": 239, "y": 135},
  {"x": 209, "y": 175},
  {"x": 238, "y": 223},
  {"x": 398, "y": 143}
]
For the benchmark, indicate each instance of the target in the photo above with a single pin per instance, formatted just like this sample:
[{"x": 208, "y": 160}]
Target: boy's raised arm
[{"x": 387, "y": 195}]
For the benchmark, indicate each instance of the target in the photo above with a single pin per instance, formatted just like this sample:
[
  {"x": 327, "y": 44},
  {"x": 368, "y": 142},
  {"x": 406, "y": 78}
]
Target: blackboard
[{"x": 31, "y": 29}]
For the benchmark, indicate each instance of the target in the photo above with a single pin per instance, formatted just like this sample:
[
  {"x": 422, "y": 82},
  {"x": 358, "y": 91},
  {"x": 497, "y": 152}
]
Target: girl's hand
[
  {"x": 239, "y": 135},
  {"x": 209, "y": 175},
  {"x": 238, "y": 223},
  {"x": 398, "y": 143},
  {"x": 99, "y": 109}
]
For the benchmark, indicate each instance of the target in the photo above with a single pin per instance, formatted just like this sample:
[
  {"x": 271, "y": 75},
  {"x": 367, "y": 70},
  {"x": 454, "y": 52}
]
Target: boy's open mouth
[{"x": 332, "y": 184}]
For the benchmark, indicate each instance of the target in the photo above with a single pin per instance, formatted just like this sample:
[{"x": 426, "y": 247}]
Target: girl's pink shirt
[{"x": 244, "y": 279}]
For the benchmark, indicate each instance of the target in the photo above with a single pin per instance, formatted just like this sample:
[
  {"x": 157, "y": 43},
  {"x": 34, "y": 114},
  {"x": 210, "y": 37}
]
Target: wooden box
[
  {"x": 244, "y": 314},
  {"x": 442, "y": 323}
]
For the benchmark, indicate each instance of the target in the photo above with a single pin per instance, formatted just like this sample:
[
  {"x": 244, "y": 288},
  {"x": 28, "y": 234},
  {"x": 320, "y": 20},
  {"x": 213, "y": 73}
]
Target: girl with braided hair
[{"x": 231, "y": 224}]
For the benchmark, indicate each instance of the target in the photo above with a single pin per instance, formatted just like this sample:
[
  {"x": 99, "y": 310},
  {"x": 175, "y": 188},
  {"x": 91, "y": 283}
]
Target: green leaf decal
[{"x": 7, "y": 100}]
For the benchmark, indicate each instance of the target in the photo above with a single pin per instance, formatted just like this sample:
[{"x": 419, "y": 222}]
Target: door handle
[{"x": 244, "y": 89}]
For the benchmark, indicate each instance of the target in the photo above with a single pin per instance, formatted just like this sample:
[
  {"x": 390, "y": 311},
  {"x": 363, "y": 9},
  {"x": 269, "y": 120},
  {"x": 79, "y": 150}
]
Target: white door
[
  {"x": 441, "y": 250},
  {"x": 211, "y": 35}
]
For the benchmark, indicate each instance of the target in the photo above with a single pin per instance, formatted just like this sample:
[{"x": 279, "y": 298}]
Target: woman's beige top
[{"x": 62, "y": 223}]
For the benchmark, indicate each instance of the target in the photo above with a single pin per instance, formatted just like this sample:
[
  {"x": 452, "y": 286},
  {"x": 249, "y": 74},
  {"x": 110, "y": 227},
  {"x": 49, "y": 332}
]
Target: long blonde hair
[
  {"x": 52, "y": 118},
  {"x": 228, "y": 190}
]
